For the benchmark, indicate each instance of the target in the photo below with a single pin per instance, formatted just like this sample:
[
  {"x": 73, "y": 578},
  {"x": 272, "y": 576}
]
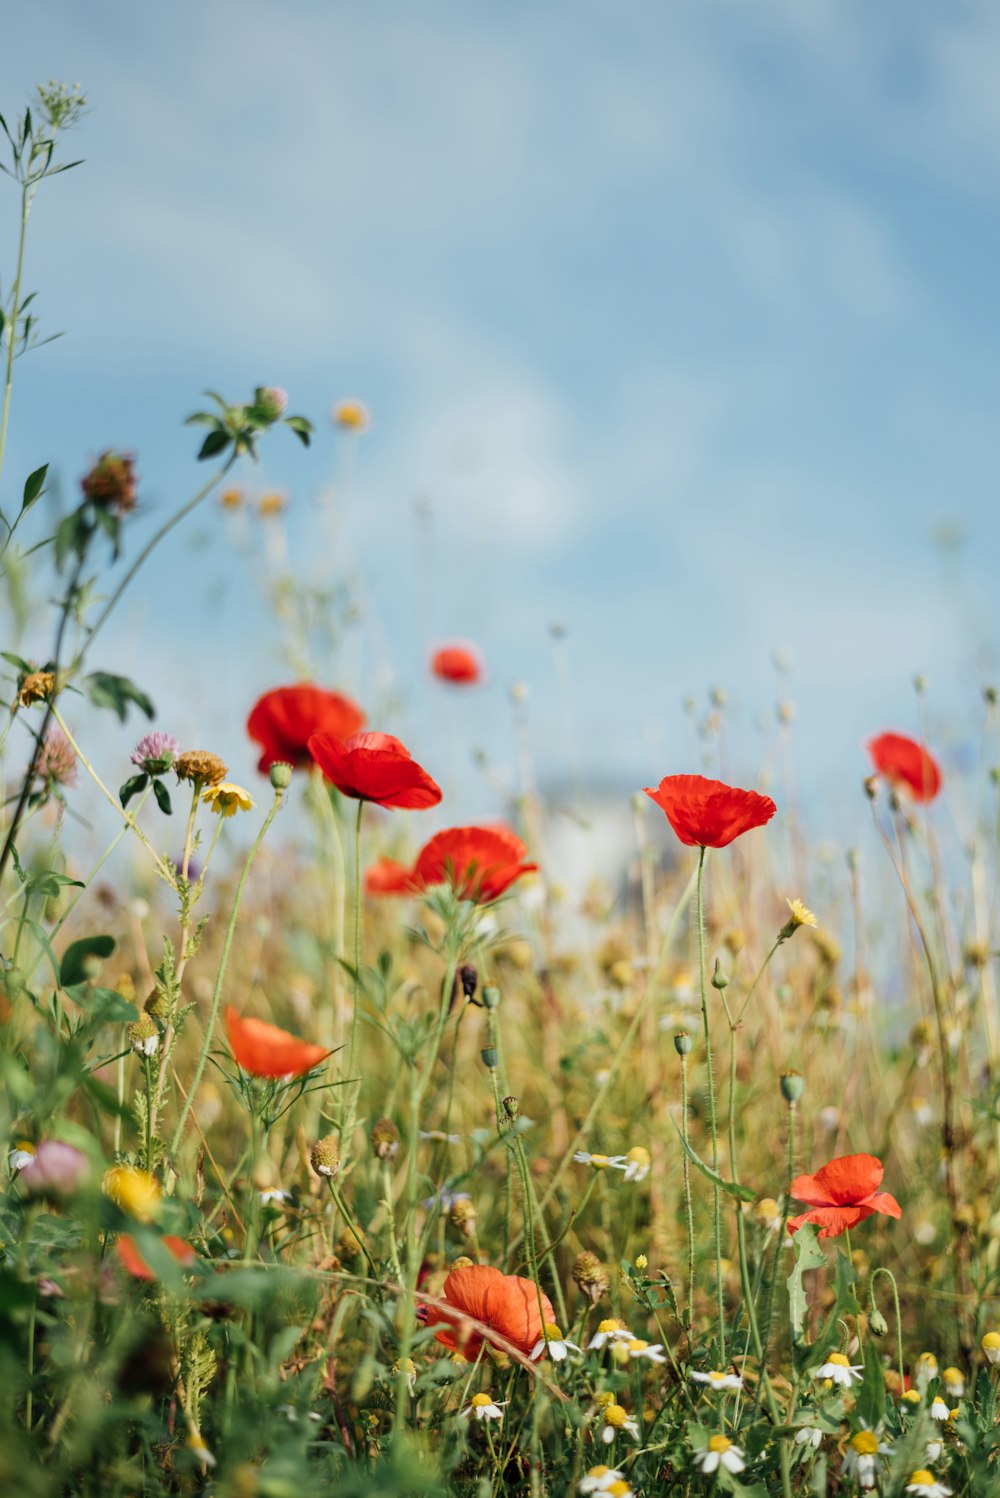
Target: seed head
[
  {"x": 143, "y": 1035},
  {"x": 200, "y": 767},
  {"x": 463, "y": 1217},
  {"x": 35, "y": 686},
  {"x": 325, "y": 1156},
  {"x": 591, "y": 1276},
  {"x": 385, "y": 1139},
  {"x": 793, "y": 1085},
  {"x": 111, "y": 483}
]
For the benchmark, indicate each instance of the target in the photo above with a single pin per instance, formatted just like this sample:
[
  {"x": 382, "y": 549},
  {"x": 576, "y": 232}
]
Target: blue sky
[{"x": 681, "y": 317}]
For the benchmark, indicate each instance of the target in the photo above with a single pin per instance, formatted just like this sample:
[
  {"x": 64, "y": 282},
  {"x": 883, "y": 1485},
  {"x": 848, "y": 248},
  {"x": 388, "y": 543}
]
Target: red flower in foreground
[
  {"x": 841, "y": 1194},
  {"x": 136, "y": 1265},
  {"x": 374, "y": 767},
  {"x": 905, "y": 762},
  {"x": 266, "y": 1051},
  {"x": 480, "y": 863},
  {"x": 708, "y": 813},
  {"x": 283, "y": 721},
  {"x": 505, "y": 1303},
  {"x": 462, "y": 665}
]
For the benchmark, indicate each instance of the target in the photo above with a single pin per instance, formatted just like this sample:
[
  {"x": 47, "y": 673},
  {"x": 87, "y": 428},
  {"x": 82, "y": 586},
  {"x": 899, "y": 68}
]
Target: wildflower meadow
[{"x": 332, "y": 1166}]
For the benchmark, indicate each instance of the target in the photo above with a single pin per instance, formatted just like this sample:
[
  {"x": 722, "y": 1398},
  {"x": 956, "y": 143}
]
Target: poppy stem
[
  {"x": 899, "y": 1320},
  {"x": 688, "y": 1207},
  {"x": 712, "y": 1116},
  {"x": 357, "y": 937}
]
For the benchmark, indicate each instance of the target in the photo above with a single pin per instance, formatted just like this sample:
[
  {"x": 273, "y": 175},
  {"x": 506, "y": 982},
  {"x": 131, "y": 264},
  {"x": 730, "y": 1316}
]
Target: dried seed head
[
  {"x": 463, "y": 1217},
  {"x": 200, "y": 767},
  {"x": 385, "y": 1139},
  {"x": 325, "y": 1156},
  {"x": 591, "y": 1276},
  {"x": 36, "y": 686},
  {"x": 111, "y": 483},
  {"x": 143, "y": 1035}
]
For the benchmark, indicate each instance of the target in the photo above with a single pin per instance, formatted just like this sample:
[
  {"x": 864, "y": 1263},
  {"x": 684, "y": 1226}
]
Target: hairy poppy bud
[
  {"x": 325, "y": 1156},
  {"x": 683, "y": 1043},
  {"x": 793, "y": 1085},
  {"x": 281, "y": 776},
  {"x": 351, "y": 1243},
  {"x": 385, "y": 1139},
  {"x": 719, "y": 979},
  {"x": 591, "y": 1276},
  {"x": 877, "y": 1324},
  {"x": 511, "y": 1108}
]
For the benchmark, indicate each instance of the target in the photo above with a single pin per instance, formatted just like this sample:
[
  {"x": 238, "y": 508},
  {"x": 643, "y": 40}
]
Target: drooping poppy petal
[
  {"x": 283, "y": 721},
  {"x": 458, "y": 663},
  {"x": 374, "y": 767},
  {"x": 831, "y": 1221},
  {"x": 387, "y": 876},
  {"x": 506, "y": 1303},
  {"x": 851, "y": 1178},
  {"x": 709, "y": 813},
  {"x": 135, "y": 1264},
  {"x": 265, "y": 1050},
  {"x": 905, "y": 762},
  {"x": 480, "y": 863},
  {"x": 884, "y": 1202}
]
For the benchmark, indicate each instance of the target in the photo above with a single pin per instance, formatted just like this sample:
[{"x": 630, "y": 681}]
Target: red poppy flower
[
  {"x": 374, "y": 767},
  {"x": 905, "y": 762},
  {"x": 387, "y": 876},
  {"x": 707, "y": 813},
  {"x": 479, "y": 862},
  {"x": 460, "y": 664},
  {"x": 136, "y": 1265},
  {"x": 282, "y": 721},
  {"x": 506, "y": 1303},
  {"x": 841, "y": 1194},
  {"x": 266, "y": 1051}
]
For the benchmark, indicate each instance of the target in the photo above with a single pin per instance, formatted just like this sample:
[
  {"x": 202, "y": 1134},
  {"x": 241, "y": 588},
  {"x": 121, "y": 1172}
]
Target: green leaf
[
  {"x": 18, "y": 661},
  {"x": 132, "y": 787},
  {"x": 103, "y": 1005},
  {"x": 871, "y": 1395},
  {"x": 302, "y": 428},
  {"x": 78, "y": 957},
  {"x": 808, "y": 1255},
  {"x": 162, "y": 797},
  {"x": 741, "y": 1193},
  {"x": 48, "y": 883},
  {"x": 214, "y": 443},
  {"x": 107, "y": 690},
  {"x": 33, "y": 487}
]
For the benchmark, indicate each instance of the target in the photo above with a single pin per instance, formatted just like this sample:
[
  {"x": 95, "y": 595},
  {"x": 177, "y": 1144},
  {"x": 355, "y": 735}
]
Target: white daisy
[
  {"x": 954, "y": 1382},
  {"x": 600, "y": 1479},
  {"x": 483, "y": 1407},
  {"x": 720, "y": 1451},
  {"x": 616, "y": 1420},
  {"x": 555, "y": 1344},
  {"x": 808, "y": 1435},
  {"x": 924, "y": 1483},
  {"x": 637, "y": 1348},
  {"x": 861, "y": 1458},
  {"x": 840, "y": 1370},
  {"x": 940, "y": 1410},
  {"x": 600, "y": 1162},
  {"x": 718, "y": 1380},
  {"x": 274, "y": 1194},
  {"x": 20, "y": 1156},
  {"x": 638, "y": 1164},
  {"x": 611, "y": 1330},
  {"x": 934, "y": 1450}
]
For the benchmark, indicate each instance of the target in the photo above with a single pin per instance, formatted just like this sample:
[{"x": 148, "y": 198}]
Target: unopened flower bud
[
  {"x": 719, "y": 979},
  {"x": 511, "y": 1108},
  {"x": 491, "y": 997},
  {"x": 469, "y": 977},
  {"x": 325, "y": 1156},
  {"x": 463, "y": 1217},
  {"x": 143, "y": 1035},
  {"x": 281, "y": 775},
  {"x": 385, "y": 1139},
  {"x": 591, "y": 1276},
  {"x": 157, "y": 1005},
  {"x": 877, "y": 1324},
  {"x": 683, "y": 1043},
  {"x": 490, "y": 1057},
  {"x": 271, "y": 401},
  {"x": 792, "y": 1086}
]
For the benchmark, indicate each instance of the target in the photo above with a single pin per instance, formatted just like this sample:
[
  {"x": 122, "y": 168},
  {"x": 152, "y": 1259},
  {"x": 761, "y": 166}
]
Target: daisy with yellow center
[
  {"x": 351, "y": 416},
  {"x": 21, "y": 1155},
  {"x": 616, "y": 1422},
  {"x": 720, "y": 1452},
  {"x": 954, "y": 1382},
  {"x": 226, "y": 799},
  {"x": 231, "y": 499},
  {"x": 483, "y": 1407},
  {"x": 926, "y": 1485},
  {"x": 610, "y": 1330},
  {"x": 554, "y": 1343},
  {"x": 602, "y": 1480},
  {"x": 718, "y": 1380},
  {"x": 991, "y": 1347},
  {"x": 926, "y": 1369},
  {"x": 910, "y": 1396},
  {"x": 840, "y": 1370},
  {"x": 638, "y": 1164},
  {"x": 939, "y": 1409},
  {"x": 600, "y": 1162},
  {"x": 637, "y": 1348},
  {"x": 861, "y": 1459}
]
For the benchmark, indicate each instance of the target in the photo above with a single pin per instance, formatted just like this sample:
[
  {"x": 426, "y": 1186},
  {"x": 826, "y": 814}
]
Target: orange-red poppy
[
  {"x": 905, "y": 762},
  {"x": 282, "y": 721},
  {"x": 708, "y": 813},
  {"x": 506, "y": 1303},
  {"x": 374, "y": 767},
  {"x": 387, "y": 876},
  {"x": 266, "y": 1051},
  {"x": 841, "y": 1194},
  {"x": 458, "y": 663},
  {"x": 479, "y": 862},
  {"x": 135, "y": 1264}
]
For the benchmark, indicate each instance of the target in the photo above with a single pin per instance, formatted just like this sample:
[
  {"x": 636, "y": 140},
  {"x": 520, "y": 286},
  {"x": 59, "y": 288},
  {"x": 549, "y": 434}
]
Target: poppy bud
[
  {"x": 281, "y": 776},
  {"x": 719, "y": 979},
  {"x": 792, "y": 1086},
  {"x": 385, "y": 1139},
  {"x": 591, "y": 1276},
  {"x": 490, "y": 1057},
  {"x": 491, "y": 997},
  {"x": 325, "y": 1156},
  {"x": 511, "y": 1108},
  {"x": 463, "y": 1217},
  {"x": 683, "y": 1043},
  {"x": 871, "y": 787},
  {"x": 877, "y": 1324}
]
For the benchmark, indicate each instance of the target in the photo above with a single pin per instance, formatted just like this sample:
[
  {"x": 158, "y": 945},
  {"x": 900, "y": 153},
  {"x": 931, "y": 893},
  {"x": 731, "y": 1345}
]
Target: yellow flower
[
  {"x": 271, "y": 504},
  {"x": 641, "y": 1262},
  {"x": 352, "y": 415},
  {"x": 991, "y": 1346},
  {"x": 865, "y": 1443},
  {"x": 135, "y": 1191},
  {"x": 231, "y": 499},
  {"x": 800, "y": 915},
  {"x": 226, "y": 798}
]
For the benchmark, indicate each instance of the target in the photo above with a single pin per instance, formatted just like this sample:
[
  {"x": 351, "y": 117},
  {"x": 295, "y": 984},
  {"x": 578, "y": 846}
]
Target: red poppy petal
[
  {"x": 884, "y": 1203},
  {"x": 265, "y": 1050},
  {"x": 708, "y": 813},
  {"x": 388, "y": 877},
  {"x": 851, "y": 1178},
  {"x": 905, "y": 762},
  {"x": 831, "y": 1221}
]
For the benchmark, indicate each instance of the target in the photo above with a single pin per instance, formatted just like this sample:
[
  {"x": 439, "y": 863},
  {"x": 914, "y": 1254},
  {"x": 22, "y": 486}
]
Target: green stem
[
  {"x": 357, "y": 937},
  {"x": 899, "y": 1320},
  {"x": 688, "y": 1206},
  {"x": 712, "y": 1117},
  {"x": 27, "y": 194},
  {"x": 221, "y": 974}
]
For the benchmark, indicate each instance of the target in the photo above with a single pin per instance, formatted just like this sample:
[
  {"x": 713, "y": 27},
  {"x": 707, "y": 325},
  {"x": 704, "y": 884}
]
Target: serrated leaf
[
  {"x": 808, "y": 1255},
  {"x": 733, "y": 1188},
  {"x": 78, "y": 958}
]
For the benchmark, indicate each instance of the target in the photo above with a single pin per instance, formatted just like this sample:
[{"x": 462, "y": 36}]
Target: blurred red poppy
[
  {"x": 708, "y": 813},
  {"x": 905, "y": 762},
  {"x": 282, "y": 721},
  {"x": 374, "y": 767},
  {"x": 480, "y": 863},
  {"x": 387, "y": 876},
  {"x": 266, "y": 1051},
  {"x": 136, "y": 1265},
  {"x": 841, "y": 1194},
  {"x": 460, "y": 664},
  {"x": 506, "y": 1303}
]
